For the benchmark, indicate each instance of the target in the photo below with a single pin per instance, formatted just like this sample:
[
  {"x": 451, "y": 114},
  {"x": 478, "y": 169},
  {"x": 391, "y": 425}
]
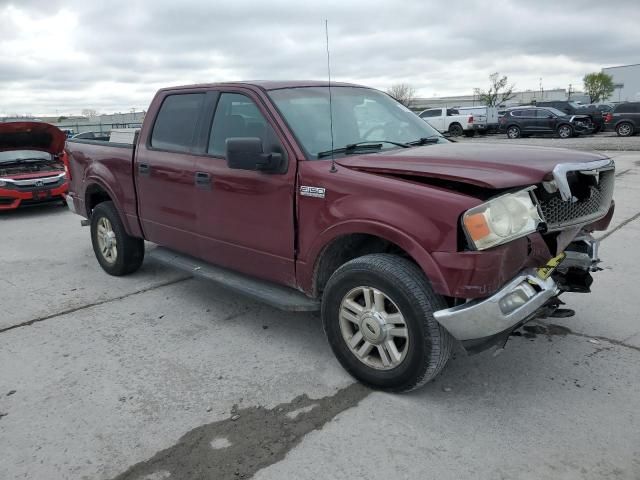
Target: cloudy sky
[{"x": 61, "y": 56}]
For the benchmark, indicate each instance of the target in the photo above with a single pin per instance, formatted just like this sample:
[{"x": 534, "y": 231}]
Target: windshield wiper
[
  {"x": 424, "y": 141},
  {"x": 365, "y": 145}
]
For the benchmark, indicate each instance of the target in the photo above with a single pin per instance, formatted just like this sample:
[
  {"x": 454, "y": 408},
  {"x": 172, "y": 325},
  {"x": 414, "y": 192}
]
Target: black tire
[
  {"x": 429, "y": 344},
  {"x": 455, "y": 129},
  {"x": 565, "y": 131},
  {"x": 130, "y": 250},
  {"x": 469, "y": 133},
  {"x": 624, "y": 129},
  {"x": 513, "y": 132}
]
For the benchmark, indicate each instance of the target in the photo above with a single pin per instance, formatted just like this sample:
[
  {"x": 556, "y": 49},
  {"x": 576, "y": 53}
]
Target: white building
[{"x": 626, "y": 79}]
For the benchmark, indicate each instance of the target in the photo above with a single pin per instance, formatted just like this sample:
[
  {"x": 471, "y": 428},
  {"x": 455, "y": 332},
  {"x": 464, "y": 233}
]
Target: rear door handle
[
  {"x": 203, "y": 180},
  {"x": 144, "y": 169}
]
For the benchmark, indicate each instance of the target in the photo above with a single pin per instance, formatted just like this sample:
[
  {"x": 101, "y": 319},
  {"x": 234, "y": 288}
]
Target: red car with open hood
[{"x": 32, "y": 164}]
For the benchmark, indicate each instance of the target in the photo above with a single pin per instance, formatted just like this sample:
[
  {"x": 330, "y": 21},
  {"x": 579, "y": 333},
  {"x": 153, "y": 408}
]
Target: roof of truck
[{"x": 271, "y": 84}]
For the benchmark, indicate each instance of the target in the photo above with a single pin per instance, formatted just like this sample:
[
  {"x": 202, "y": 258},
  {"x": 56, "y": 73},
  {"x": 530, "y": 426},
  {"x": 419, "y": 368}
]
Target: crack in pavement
[
  {"x": 93, "y": 304},
  {"x": 251, "y": 439},
  {"x": 619, "y": 226},
  {"x": 553, "y": 329}
]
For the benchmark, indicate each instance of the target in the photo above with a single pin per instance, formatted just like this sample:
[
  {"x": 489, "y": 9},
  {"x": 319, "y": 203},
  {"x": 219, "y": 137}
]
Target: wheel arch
[{"x": 345, "y": 242}]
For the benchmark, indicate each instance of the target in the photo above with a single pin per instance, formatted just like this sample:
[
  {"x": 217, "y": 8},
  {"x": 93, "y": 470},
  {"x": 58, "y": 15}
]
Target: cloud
[{"x": 63, "y": 56}]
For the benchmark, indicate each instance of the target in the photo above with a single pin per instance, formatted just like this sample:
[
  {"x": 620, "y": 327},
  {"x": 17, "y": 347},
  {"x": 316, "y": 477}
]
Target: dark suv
[
  {"x": 625, "y": 119},
  {"x": 573, "y": 108},
  {"x": 524, "y": 121}
]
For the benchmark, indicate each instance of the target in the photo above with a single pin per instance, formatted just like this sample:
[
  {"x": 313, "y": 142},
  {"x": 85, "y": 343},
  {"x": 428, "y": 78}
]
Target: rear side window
[
  {"x": 628, "y": 108},
  {"x": 238, "y": 116},
  {"x": 452, "y": 111},
  {"x": 175, "y": 126}
]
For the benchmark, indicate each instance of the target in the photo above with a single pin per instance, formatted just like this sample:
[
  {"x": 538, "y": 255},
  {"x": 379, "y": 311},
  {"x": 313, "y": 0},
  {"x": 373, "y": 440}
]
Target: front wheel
[
  {"x": 565, "y": 131},
  {"x": 377, "y": 312},
  {"x": 117, "y": 252}
]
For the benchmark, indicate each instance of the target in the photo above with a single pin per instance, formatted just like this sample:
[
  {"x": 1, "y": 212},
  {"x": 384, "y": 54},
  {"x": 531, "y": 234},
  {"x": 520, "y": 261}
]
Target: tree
[
  {"x": 89, "y": 112},
  {"x": 598, "y": 85},
  {"x": 499, "y": 92},
  {"x": 403, "y": 93}
]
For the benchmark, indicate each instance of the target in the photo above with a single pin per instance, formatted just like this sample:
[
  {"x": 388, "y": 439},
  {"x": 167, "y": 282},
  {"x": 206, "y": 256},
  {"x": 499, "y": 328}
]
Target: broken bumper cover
[{"x": 515, "y": 303}]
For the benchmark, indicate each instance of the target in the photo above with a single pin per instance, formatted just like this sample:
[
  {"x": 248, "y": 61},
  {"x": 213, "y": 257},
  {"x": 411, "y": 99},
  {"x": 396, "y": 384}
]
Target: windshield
[
  {"x": 16, "y": 155},
  {"x": 359, "y": 115}
]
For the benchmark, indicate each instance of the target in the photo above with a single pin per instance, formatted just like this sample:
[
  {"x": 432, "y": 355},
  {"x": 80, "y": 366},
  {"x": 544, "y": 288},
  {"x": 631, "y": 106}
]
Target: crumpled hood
[
  {"x": 493, "y": 166},
  {"x": 31, "y": 136}
]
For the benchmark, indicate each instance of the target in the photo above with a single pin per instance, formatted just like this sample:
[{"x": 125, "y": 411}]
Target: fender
[
  {"x": 98, "y": 174},
  {"x": 306, "y": 270}
]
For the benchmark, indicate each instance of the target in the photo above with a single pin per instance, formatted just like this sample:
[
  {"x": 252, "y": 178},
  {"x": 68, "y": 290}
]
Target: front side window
[
  {"x": 176, "y": 122},
  {"x": 238, "y": 116},
  {"x": 358, "y": 114}
]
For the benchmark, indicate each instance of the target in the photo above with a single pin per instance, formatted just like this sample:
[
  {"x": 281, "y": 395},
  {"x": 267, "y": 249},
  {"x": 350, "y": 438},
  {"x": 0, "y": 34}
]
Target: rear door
[
  {"x": 529, "y": 121},
  {"x": 164, "y": 171},
  {"x": 245, "y": 219}
]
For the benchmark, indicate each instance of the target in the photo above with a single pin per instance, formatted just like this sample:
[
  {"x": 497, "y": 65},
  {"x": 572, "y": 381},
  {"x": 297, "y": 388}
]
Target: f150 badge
[{"x": 317, "y": 192}]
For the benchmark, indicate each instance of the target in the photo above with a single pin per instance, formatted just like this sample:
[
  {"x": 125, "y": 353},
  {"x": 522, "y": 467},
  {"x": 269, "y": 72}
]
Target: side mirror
[
  {"x": 245, "y": 153},
  {"x": 550, "y": 116}
]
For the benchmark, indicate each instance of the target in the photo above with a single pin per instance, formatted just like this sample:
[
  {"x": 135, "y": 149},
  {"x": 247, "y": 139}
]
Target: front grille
[{"x": 593, "y": 201}]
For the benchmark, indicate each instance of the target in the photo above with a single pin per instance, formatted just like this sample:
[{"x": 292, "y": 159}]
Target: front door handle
[
  {"x": 144, "y": 169},
  {"x": 203, "y": 180}
]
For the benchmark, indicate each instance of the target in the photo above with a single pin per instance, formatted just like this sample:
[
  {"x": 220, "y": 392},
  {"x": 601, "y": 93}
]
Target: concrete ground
[{"x": 159, "y": 376}]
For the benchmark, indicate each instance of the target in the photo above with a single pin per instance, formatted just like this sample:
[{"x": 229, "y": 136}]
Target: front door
[
  {"x": 164, "y": 172},
  {"x": 547, "y": 121},
  {"x": 245, "y": 219}
]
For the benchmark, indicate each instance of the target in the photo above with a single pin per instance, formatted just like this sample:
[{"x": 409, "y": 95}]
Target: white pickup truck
[{"x": 449, "y": 120}]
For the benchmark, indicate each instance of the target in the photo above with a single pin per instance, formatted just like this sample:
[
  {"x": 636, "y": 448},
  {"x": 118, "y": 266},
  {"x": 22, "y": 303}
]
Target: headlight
[{"x": 501, "y": 220}]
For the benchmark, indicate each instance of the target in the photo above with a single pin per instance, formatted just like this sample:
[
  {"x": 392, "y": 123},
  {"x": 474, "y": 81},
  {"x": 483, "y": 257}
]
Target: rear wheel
[
  {"x": 117, "y": 252},
  {"x": 514, "y": 132},
  {"x": 624, "y": 129},
  {"x": 455, "y": 129},
  {"x": 377, "y": 312},
  {"x": 565, "y": 131}
]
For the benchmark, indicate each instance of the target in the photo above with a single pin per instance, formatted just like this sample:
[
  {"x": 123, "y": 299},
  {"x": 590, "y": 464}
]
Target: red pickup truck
[{"x": 341, "y": 200}]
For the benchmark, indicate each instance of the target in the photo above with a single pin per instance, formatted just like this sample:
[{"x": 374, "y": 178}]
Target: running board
[{"x": 270, "y": 293}]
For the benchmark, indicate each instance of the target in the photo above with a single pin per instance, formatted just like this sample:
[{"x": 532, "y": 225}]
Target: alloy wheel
[{"x": 373, "y": 328}]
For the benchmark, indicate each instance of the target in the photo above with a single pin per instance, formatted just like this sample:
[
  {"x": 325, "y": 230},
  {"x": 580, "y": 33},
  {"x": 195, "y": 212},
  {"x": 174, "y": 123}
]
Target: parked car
[
  {"x": 449, "y": 120},
  {"x": 485, "y": 119},
  {"x": 32, "y": 166},
  {"x": 524, "y": 121},
  {"x": 625, "y": 119},
  {"x": 103, "y": 136},
  {"x": 574, "y": 108},
  {"x": 407, "y": 243}
]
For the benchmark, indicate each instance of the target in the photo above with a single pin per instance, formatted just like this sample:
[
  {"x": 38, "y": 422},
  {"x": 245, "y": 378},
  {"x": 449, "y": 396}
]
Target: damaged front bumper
[
  {"x": 481, "y": 323},
  {"x": 515, "y": 303}
]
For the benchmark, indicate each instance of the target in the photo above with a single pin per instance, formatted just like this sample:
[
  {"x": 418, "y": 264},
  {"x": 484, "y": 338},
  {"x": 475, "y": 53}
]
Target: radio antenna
[{"x": 333, "y": 159}]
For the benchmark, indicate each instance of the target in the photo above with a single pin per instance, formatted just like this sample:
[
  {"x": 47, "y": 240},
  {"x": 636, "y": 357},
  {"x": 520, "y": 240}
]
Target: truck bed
[{"x": 104, "y": 160}]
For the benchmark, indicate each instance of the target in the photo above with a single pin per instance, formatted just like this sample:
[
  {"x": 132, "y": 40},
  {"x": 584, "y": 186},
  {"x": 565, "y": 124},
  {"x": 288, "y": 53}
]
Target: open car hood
[
  {"x": 31, "y": 136},
  {"x": 493, "y": 166}
]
